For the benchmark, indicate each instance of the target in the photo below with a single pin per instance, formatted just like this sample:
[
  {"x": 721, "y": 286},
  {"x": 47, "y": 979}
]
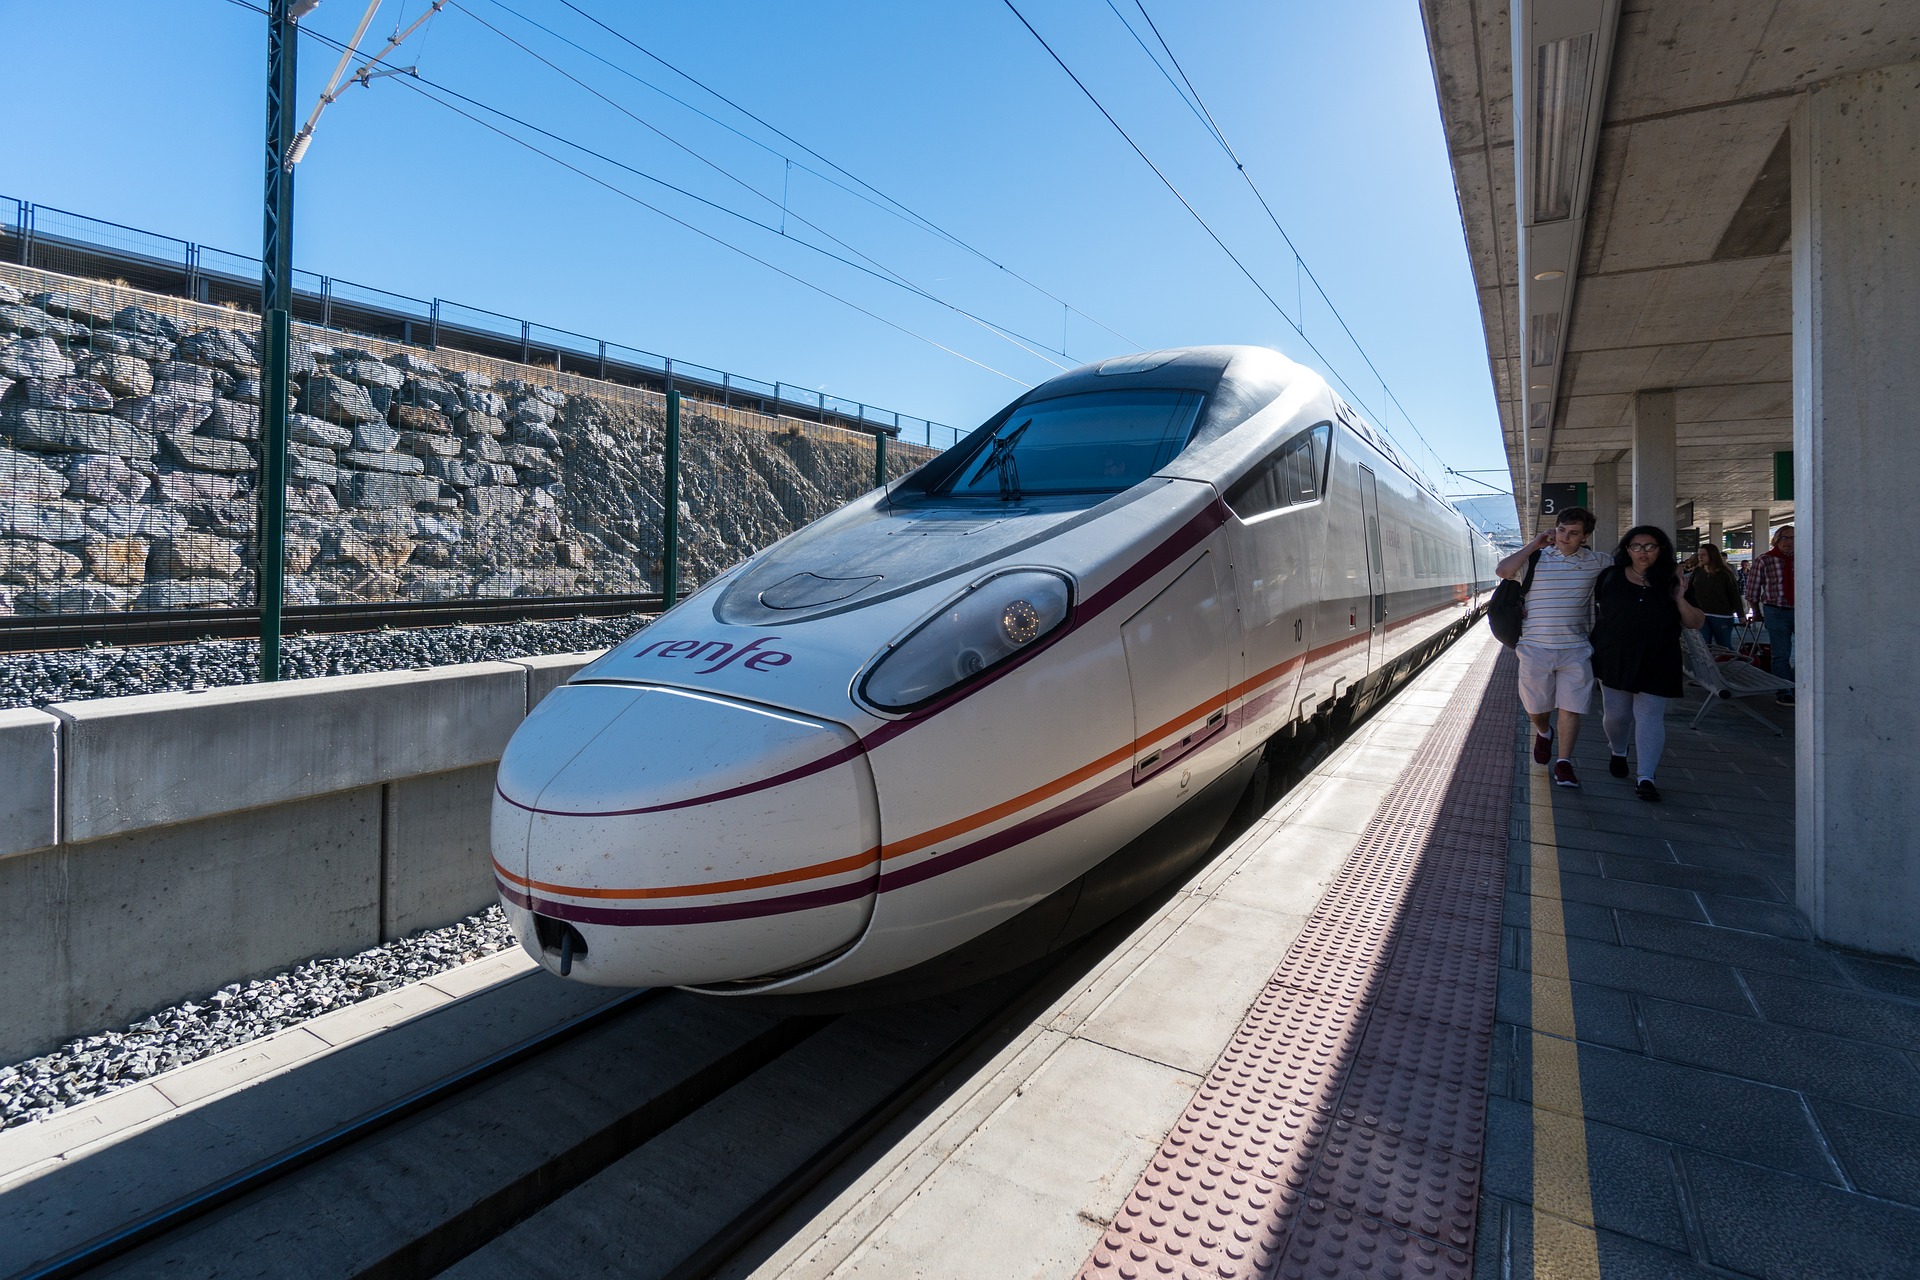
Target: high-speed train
[{"x": 971, "y": 716}]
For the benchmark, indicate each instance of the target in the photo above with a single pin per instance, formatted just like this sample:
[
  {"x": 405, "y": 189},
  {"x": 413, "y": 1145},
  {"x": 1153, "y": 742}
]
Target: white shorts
[{"x": 1555, "y": 678}]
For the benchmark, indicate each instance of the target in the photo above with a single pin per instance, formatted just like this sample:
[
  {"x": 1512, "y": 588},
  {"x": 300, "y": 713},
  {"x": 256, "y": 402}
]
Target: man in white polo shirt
[{"x": 1556, "y": 661}]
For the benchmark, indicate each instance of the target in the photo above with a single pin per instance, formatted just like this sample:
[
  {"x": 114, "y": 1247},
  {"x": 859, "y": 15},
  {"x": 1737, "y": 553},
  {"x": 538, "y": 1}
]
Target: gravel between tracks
[
  {"x": 96, "y": 1065},
  {"x": 36, "y": 679}
]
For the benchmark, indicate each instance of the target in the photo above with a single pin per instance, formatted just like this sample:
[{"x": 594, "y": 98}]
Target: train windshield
[{"x": 1100, "y": 442}]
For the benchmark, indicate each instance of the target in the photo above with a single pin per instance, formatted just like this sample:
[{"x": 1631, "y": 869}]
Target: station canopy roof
[{"x": 1646, "y": 246}]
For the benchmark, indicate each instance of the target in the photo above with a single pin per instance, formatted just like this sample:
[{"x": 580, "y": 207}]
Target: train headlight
[{"x": 986, "y": 626}]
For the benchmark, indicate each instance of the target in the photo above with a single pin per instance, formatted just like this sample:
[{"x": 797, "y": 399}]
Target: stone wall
[{"x": 129, "y": 429}]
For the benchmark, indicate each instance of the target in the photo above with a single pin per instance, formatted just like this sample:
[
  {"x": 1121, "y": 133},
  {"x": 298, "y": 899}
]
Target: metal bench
[{"x": 1725, "y": 676}]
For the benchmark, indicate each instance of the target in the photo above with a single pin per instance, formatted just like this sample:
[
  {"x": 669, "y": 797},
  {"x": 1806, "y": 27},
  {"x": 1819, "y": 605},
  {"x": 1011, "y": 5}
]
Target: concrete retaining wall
[{"x": 157, "y": 847}]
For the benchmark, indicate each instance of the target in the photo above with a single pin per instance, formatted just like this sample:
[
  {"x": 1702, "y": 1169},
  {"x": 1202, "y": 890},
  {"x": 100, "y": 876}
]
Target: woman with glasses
[{"x": 1641, "y": 607}]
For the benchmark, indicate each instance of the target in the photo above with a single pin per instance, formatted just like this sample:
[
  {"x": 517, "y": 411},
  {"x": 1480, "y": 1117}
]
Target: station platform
[{"x": 1433, "y": 1016}]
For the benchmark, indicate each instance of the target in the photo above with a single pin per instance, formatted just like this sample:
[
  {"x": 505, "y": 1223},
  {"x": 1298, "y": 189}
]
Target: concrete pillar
[
  {"x": 1856, "y": 325},
  {"x": 1606, "y": 505},
  {"x": 1715, "y": 531},
  {"x": 1762, "y": 529},
  {"x": 1653, "y": 459}
]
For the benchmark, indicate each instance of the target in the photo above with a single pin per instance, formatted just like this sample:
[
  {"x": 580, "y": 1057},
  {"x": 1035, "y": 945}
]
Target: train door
[{"x": 1376, "y": 570}]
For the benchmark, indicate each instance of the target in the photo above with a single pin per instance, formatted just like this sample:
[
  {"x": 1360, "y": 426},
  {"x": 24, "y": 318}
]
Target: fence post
[
  {"x": 670, "y": 501},
  {"x": 603, "y": 359},
  {"x": 433, "y": 334},
  {"x": 526, "y": 342},
  {"x": 326, "y": 302},
  {"x": 776, "y": 399},
  {"x": 26, "y": 236},
  {"x": 880, "y": 459},
  {"x": 668, "y": 364},
  {"x": 726, "y": 390}
]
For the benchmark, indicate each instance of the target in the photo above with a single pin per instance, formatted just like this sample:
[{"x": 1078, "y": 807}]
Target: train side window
[
  {"x": 1254, "y": 493},
  {"x": 1286, "y": 478},
  {"x": 1306, "y": 464}
]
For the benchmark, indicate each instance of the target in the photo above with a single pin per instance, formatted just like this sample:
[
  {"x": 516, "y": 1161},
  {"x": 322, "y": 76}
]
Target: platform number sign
[{"x": 1555, "y": 498}]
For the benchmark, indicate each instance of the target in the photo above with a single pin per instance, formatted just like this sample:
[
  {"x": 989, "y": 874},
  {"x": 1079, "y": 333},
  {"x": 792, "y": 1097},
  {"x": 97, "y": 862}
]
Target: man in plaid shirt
[{"x": 1770, "y": 588}]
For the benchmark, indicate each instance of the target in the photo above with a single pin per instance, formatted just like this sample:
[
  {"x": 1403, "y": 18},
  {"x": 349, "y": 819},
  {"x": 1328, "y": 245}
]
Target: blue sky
[{"x": 953, "y": 109}]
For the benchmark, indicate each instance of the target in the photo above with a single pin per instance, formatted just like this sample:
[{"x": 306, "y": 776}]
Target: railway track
[
  {"x": 680, "y": 1126},
  {"x": 27, "y": 634}
]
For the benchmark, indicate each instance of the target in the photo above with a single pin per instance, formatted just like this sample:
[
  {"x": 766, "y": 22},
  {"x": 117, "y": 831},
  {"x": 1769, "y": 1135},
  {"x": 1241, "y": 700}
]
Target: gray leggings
[{"x": 1641, "y": 716}]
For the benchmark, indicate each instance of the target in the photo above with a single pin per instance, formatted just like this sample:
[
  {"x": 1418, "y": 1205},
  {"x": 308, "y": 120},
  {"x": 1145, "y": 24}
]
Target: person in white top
[{"x": 1556, "y": 660}]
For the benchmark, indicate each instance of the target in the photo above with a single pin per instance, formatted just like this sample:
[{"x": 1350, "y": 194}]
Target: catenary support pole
[
  {"x": 276, "y": 306},
  {"x": 670, "y": 503}
]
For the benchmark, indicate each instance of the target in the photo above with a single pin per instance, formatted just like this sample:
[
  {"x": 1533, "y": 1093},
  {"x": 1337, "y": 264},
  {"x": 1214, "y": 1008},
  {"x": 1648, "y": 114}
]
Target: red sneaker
[
  {"x": 1542, "y": 748},
  {"x": 1563, "y": 774}
]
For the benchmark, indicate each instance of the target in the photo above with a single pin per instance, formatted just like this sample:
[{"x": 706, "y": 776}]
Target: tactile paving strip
[{"x": 1340, "y": 1132}]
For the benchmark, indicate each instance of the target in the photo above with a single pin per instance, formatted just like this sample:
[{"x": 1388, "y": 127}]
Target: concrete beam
[
  {"x": 161, "y": 758},
  {"x": 1653, "y": 459},
  {"x": 29, "y": 780},
  {"x": 101, "y": 933},
  {"x": 1856, "y": 325}
]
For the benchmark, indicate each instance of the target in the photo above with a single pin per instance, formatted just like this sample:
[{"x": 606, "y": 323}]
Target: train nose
[{"x": 645, "y": 836}]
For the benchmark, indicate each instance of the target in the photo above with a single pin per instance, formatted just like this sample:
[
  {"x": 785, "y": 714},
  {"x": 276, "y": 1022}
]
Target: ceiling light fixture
[
  {"x": 1548, "y": 275},
  {"x": 1562, "y": 80}
]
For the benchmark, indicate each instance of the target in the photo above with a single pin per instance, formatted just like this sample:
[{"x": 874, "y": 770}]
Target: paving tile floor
[{"x": 1748, "y": 1099}]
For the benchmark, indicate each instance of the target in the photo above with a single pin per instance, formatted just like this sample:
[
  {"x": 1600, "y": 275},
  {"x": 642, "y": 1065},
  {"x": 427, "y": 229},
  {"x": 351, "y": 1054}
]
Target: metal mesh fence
[{"x": 129, "y": 439}]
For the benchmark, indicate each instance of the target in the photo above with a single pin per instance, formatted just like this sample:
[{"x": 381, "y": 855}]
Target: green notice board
[
  {"x": 1557, "y": 497},
  {"x": 1783, "y": 476}
]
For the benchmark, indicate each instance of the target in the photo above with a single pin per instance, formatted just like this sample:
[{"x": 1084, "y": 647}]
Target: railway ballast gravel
[{"x": 37, "y": 679}]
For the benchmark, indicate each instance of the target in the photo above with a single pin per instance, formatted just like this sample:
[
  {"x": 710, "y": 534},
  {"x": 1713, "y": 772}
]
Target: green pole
[
  {"x": 670, "y": 519},
  {"x": 276, "y": 307},
  {"x": 879, "y": 459},
  {"x": 273, "y": 490}
]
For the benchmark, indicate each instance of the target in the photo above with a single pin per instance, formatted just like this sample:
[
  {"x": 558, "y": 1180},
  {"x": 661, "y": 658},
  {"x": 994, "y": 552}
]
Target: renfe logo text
[{"x": 720, "y": 653}]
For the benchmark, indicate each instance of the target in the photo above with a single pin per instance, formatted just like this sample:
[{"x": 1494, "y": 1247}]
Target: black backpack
[{"x": 1507, "y": 612}]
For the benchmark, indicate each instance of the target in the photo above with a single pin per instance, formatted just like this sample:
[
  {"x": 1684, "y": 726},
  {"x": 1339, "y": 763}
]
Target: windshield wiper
[{"x": 1000, "y": 458}]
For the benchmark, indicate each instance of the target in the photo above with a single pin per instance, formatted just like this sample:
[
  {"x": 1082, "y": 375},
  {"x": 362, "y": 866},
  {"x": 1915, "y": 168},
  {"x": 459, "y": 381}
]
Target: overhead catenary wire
[
  {"x": 877, "y": 197},
  {"x": 720, "y": 208},
  {"x": 886, "y": 273},
  {"x": 1220, "y": 137},
  {"x": 427, "y": 88},
  {"x": 708, "y": 235}
]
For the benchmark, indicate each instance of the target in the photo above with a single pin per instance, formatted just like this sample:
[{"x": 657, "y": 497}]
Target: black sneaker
[
  {"x": 1617, "y": 766},
  {"x": 1647, "y": 791},
  {"x": 1784, "y": 699},
  {"x": 1563, "y": 774},
  {"x": 1542, "y": 748}
]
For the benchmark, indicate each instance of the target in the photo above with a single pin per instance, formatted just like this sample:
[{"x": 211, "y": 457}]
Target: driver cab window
[{"x": 1291, "y": 476}]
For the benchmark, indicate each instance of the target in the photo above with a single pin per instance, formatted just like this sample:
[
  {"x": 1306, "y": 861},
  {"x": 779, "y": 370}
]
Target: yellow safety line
[{"x": 1564, "y": 1245}]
